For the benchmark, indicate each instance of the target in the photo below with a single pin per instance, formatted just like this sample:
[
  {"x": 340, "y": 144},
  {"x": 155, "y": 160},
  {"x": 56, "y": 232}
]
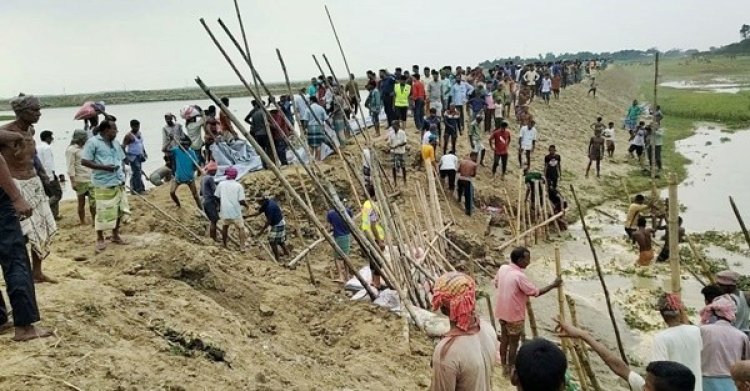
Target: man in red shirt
[
  {"x": 499, "y": 141},
  {"x": 418, "y": 96},
  {"x": 512, "y": 292}
]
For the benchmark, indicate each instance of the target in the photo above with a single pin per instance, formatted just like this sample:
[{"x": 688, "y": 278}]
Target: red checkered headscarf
[{"x": 457, "y": 292}]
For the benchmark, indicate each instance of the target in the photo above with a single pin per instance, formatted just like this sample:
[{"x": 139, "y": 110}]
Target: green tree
[{"x": 745, "y": 31}]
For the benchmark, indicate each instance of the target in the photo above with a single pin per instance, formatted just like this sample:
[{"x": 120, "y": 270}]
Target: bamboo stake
[
  {"x": 601, "y": 278},
  {"x": 739, "y": 219},
  {"x": 583, "y": 353},
  {"x": 532, "y": 320},
  {"x": 627, "y": 192},
  {"x": 310, "y": 273},
  {"x": 370, "y": 248},
  {"x": 247, "y": 48},
  {"x": 549, "y": 210},
  {"x": 529, "y": 222},
  {"x": 519, "y": 210},
  {"x": 279, "y": 175},
  {"x": 304, "y": 252},
  {"x": 348, "y": 71},
  {"x": 566, "y": 344},
  {"x": 705, "y": 268},
  {"x": 674, "y": 236},
  {"x": 528, "y": 231}
]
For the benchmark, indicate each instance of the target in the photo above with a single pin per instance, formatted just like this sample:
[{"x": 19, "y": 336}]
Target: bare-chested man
[
  {"x": 14, "y": 260},
  {"x": 18, "y": 148},
  {"x": 642, "y": 236}
]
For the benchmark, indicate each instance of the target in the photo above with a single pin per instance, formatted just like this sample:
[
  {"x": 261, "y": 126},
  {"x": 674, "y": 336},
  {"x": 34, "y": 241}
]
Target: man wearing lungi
[
  {"x": 275, "y": 220},
  {"x": 18, "y": 148},
  {"x": 106, "y": 158}
]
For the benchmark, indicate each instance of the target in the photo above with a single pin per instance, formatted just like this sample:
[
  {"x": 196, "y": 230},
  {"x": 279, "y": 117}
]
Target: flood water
[
  {"x": 719, "y": 85},
  {"x": 716, "y": 173},
  {"x": 151, "y": 116}
]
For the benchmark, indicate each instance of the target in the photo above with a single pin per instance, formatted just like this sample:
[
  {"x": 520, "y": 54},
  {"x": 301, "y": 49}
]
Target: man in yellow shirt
[
  {"x": 428, "y": 152},
  {"x": 634, "y": 212},
  {"x": 371, "y": 227}
]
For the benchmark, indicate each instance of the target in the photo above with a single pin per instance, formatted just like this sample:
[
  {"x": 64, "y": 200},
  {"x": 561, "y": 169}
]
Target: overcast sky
[{"x": 56, "y": 46}]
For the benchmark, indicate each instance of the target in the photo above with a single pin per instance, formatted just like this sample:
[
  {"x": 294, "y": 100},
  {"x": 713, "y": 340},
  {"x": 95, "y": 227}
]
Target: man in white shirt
[
  {"x": 47, "y": 160},
  {"x": 301, "y": 106},
  {"x": 661, "y": 375},
  {"x": 231, "y": 195},
  {"x": 448, "y": 166},
  {"x": 397, "y": 143},
  {"x": 680, "y": 342},
  {"x": 526, "y": 143},
  {"x": 435, "y": 93},
  {"x": 546, "y": 88}
]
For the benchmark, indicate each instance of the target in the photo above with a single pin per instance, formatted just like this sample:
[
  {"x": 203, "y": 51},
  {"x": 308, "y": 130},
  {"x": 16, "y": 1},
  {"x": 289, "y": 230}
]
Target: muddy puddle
[{"x": 713, "y": 175}]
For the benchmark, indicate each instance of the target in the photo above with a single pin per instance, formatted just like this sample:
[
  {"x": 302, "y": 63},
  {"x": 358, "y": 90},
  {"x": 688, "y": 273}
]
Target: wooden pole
[
  {"x": 656, "y": 77},
  {"x": 566, "y": 344},
  {"x": 519, "y": 211},
  {"x": 280, "y": 176},
  {"x": 532, "y": 320},
  {"x": 674, "y": 234},
  {"x": 739, "y": 219},
  {"x": 528, "y": 231},
  {"x": 705, "y": 267},
  {"x": 601, "y": 277},
  {"x": 581, "y": 352},
  {"x": 247, "y": 47}
]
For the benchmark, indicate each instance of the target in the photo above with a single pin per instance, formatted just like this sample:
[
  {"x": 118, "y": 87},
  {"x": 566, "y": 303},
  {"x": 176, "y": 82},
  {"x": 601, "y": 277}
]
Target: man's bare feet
[
  {"x": 41, "y": 278},
  {"x": 100, "y": 246},
  {"x": 27, "y": 333},
  {"x": 5, "y": 327}
]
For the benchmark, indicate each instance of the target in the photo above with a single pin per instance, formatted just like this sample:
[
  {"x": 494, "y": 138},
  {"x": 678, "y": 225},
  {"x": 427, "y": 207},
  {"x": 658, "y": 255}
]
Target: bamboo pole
[
  {"x": 532, "y": 320},
  {"x": 519, "y": 210},
  {"x": 528, "y": 231},
  {"x": 280, "y": 176},
  {"x": 601, "y": 277},
  {"x": 550, "y": 210},
  {"x": 705, "y": 267},
  {"x": 349, "y": 72},
  {"x": 304, "y": 252},
  {"x": 566, "y": 344},
  {"x": 739, "y": 219},
  {"x": 674, "y": 235},
  {"x": 370, "y": 248},
  {"x": 167, "y": 215},
  {"x": 580, "y": 350},
  {"x": 247, "y": 48}
]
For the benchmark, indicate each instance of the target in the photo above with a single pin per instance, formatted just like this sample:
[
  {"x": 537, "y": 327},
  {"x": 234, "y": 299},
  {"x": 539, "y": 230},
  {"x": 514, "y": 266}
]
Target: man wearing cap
[
  {"x": 18, "y": 147},
  {"x": 723, "y": 345},
  {"x": 80, "y": 176},
  {"x": 680, "y": 342},
  {"x": 464, "y": 359},
  {"x": 727, "y": 281},
  {"x": 231, "y": 197},
  {"x": 275, "y": 220}
]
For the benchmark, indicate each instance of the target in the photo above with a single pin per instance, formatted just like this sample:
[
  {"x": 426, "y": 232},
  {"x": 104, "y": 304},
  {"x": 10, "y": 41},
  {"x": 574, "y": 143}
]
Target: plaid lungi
[
  {"x": 315, "y": 136},
  {"x": 277, "y": 234}
]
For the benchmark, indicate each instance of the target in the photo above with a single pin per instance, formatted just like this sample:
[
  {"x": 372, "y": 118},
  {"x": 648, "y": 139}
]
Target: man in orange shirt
[
  {"x": 418, "y": 96},
  {"x": 512, "y": 292}
]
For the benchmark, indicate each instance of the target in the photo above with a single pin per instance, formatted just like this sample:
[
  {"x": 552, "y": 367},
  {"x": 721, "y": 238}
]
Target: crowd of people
[{"x": 482, "y": 102}]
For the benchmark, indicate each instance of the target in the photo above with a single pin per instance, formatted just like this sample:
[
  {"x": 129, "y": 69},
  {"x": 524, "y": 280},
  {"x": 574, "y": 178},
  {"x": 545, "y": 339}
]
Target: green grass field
[
  {"x": 683, "y": 107},
  {"x": 7, "y": 117}
]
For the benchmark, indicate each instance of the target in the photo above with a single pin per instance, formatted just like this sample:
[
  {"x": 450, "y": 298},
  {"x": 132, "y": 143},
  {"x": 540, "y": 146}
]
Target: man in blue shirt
[
  {"x": 105, "y": 157},
  {"x": 186, "y": 163},
  {"x": 342, "y": 236},
  {"x": 459, "y": 96},
  {"x": 275, "y": 220}
]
